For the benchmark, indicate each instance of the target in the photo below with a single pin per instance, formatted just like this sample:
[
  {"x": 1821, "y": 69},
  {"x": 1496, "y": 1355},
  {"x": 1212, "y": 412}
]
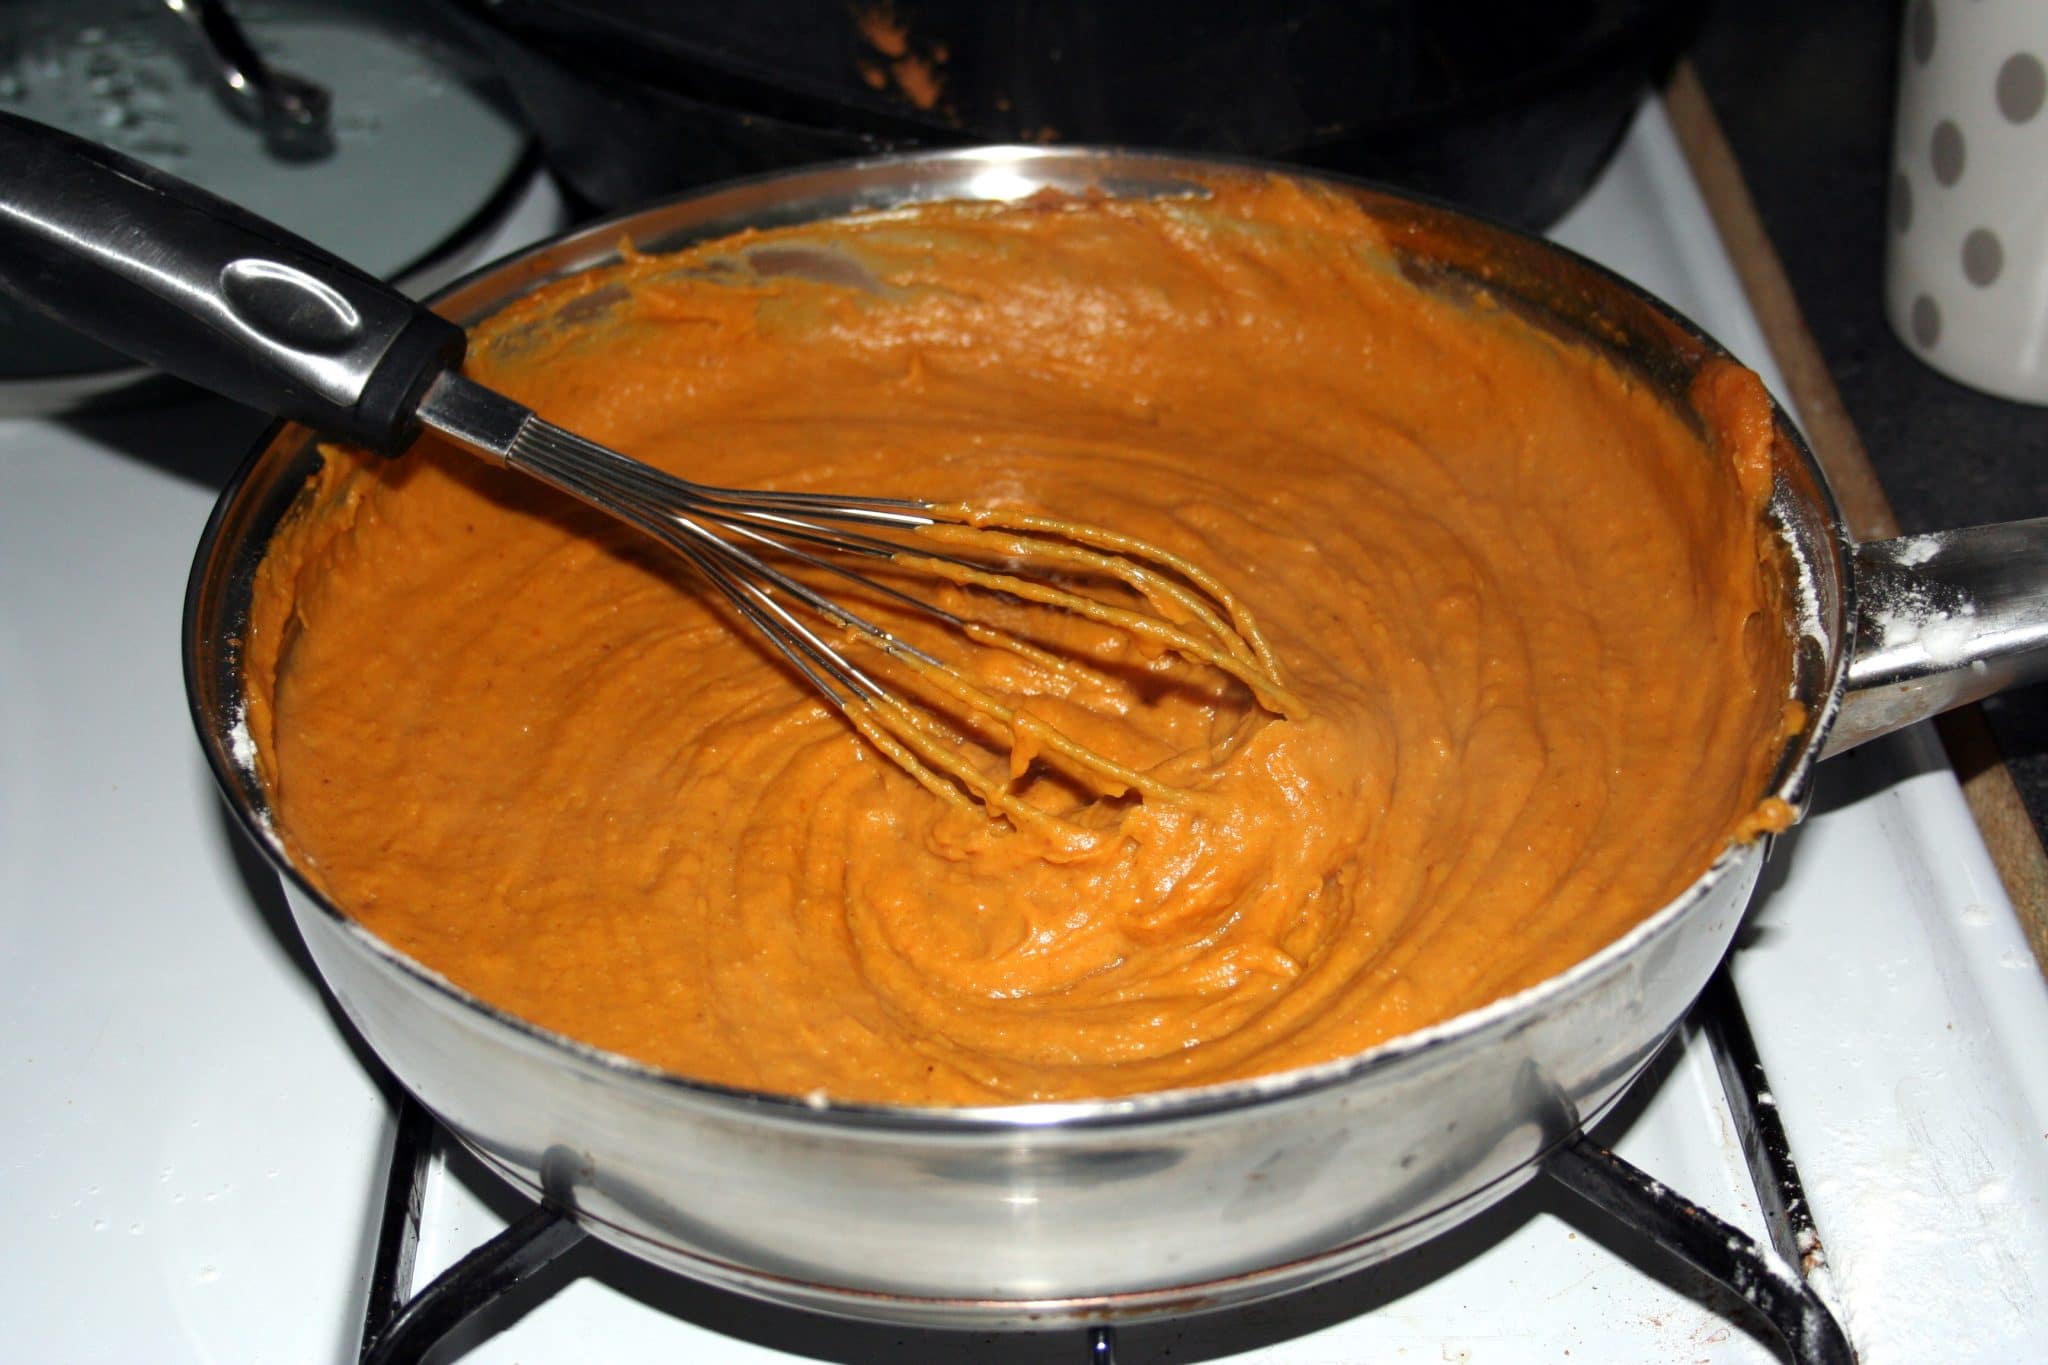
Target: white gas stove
[{"x": 195, "y": 1148}]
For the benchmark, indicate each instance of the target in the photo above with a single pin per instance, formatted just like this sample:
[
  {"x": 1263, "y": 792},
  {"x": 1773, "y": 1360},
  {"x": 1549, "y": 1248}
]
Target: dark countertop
[{"x": 1804, "y": 93}]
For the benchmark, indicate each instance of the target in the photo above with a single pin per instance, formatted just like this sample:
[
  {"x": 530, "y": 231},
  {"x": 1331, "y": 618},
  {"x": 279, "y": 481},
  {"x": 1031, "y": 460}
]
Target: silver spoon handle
[{"x": 291, "y": 110}]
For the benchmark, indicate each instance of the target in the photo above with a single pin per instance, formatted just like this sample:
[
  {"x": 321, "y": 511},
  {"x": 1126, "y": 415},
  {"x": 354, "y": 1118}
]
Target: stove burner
[{"x": 400, "y": 1327}]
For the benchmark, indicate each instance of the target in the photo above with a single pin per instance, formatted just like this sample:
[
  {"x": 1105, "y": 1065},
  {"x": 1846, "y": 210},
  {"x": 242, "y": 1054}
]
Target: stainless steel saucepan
[{"x": 1079, "y": 1212}]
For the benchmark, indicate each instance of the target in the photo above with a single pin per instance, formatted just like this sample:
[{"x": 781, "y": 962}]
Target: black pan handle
[{"x": 159, "y": 268}]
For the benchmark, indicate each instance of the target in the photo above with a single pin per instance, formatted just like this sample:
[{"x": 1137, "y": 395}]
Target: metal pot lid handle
[{"x": 1943, "y": 620}]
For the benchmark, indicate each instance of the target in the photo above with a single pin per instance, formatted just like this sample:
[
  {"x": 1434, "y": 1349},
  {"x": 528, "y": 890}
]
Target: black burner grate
[{"x": 401, "y": 1326}]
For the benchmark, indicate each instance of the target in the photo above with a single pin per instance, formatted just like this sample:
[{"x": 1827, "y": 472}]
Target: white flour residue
[
  {"x": 242, "y": 749},
  {"x": 1947, "y": 635},
  {"x": 1806, "y": 591},
  {"x": 1909, "y": 615},
  {"x": 1914, "y": 550},
  {"x": 241, "y": 744}
]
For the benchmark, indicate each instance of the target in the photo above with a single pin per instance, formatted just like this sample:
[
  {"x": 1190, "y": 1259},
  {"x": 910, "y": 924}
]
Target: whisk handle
[{"x": 157, "y": 267}]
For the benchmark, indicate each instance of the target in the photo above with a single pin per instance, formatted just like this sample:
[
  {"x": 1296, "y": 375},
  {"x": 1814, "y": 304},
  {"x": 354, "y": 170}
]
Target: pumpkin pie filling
[{"x": 1531, "y": 613}]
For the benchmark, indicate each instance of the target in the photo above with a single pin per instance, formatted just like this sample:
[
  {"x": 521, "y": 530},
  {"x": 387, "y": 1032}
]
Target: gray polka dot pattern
[
  {"x": 1947, "y": 152},
  {"x": 1926, "y": 322},
  {"x": 1983, "y": 257},
  {"x": 2022, "y": 85},
  {"x": 1966, "y": 198}
]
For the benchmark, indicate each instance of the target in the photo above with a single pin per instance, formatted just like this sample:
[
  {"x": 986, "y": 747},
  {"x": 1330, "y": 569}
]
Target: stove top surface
[{"x": 196, "y": 1147}]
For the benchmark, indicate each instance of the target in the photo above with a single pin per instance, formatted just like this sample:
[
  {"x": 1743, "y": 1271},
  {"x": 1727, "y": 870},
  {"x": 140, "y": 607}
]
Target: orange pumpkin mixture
[{"x": 1530, "y": 611}]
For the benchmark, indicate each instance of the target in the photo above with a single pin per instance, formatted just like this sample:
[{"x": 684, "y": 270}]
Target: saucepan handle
[
  {"x": 1943, "y": 620},
  {"x": 159, "y": 268}
]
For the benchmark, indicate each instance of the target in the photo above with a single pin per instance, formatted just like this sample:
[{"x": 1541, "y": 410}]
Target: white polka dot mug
[{"x": 1966, "y": 268}]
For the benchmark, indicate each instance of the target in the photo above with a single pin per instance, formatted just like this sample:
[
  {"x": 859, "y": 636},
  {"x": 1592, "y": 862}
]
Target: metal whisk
[
  {"x": 157, "y": 267},
  {"x": 735, "y": 538}
]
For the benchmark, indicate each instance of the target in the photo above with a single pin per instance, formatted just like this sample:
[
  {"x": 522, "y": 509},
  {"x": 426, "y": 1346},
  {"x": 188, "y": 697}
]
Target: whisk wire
[{"x": 729, "y": 536}]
